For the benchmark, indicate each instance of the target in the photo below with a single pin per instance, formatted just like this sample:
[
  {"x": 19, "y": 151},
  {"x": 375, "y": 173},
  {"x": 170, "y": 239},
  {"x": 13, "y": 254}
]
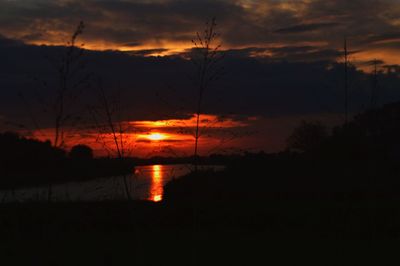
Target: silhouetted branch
[
  {"x": 107, "y": 119},
  {"x": 207, "y": 69}
]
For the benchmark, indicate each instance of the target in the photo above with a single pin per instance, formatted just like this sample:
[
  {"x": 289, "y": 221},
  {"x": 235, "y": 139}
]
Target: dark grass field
[{"x": 201, "y": 233}]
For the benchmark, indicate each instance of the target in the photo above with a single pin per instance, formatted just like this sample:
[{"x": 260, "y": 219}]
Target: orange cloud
[{"x": 206, "y": 120}]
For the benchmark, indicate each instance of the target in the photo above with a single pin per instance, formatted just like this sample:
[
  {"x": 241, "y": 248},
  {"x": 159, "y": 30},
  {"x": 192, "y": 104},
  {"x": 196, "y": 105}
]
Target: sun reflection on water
[{"x": 156, "y": 189}]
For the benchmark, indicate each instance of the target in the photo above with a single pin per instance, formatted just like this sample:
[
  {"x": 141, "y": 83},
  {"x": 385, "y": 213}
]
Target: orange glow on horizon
[
  {"x": 169, "y": 137},
  {"x": 172, "y": 137},
  {"x": 388, "y": 56},
  {"x": 161, "y": 48}
]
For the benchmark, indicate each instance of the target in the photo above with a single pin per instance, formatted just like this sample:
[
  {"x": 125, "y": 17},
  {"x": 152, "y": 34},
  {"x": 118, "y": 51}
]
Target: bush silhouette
[
  {"x": 81, "y": 152},
  {"x": 307, "y": 136}
]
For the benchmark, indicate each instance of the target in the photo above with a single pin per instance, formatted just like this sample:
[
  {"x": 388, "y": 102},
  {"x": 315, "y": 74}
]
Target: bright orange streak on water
[{"x": 156, "y": 190}]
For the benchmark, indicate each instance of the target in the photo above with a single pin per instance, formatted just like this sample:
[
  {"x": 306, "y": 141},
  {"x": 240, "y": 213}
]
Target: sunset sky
[
  {"x": 165, "y": 27},
  {"x": 280, "y": 65}
]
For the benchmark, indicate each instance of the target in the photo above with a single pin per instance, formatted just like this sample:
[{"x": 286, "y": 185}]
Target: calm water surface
[{"x": 145, "y": 183}]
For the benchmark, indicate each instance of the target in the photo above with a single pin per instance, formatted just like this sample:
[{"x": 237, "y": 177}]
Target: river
[{"x": 146, "y": 183}]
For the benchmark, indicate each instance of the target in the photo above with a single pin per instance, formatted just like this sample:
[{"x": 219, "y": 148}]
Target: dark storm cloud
[
  {"x": 132, "y": 44},
  {"x": 5, "y": 42},
  {"x": 247, "y": 52},
  {"x": 289, "y": 53},
  {"x": 306, "y": 53},
  {"x": 116, "y": 21},
  {"x": 293, "y": 49},
  {"x": 383, "y": 37},
  {"x": 241, "y": 22},
  {"x": 146, "y": 52},
  {"x": 159, "y": 87},
  {"x": 307, "y": 27},
  {"x": 374, "y": 62}
]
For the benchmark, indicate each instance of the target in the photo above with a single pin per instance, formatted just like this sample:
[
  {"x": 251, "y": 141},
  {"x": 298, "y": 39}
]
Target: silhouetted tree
[
  {"x": 373, "y": 133},
  {"x": 307, "y": 136},
  {"x": 26, "y": 161},
  {"x": 81, "y": 152},
  {"x": 375, "y": 84}
]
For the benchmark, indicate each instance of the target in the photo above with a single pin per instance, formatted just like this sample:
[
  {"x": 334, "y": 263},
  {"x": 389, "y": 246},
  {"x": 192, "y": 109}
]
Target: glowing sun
[{"x": 156, "y": 136}]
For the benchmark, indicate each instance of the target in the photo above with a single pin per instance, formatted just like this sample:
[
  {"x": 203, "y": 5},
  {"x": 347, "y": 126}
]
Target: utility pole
[
  {"x": 374, "y": 91},
  {"x": 346, "y": 81}
]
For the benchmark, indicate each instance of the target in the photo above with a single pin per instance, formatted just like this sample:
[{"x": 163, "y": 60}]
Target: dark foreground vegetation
[
  {"x": 331, "y": 199},
  {"x": 244, "y": 232},
  {"x": 27, "y": 162}
]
